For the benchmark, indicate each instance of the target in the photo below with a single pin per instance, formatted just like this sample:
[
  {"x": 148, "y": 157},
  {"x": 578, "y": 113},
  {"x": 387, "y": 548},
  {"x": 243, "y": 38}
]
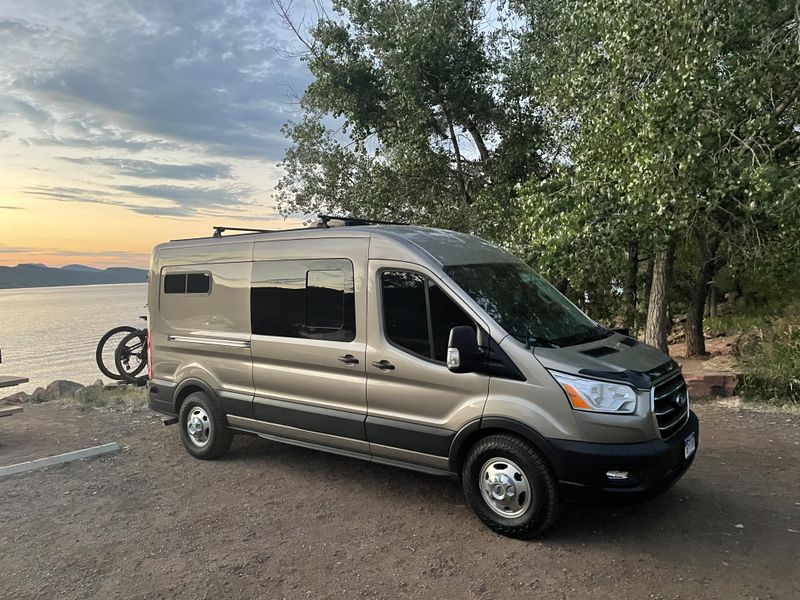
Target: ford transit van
[{"x": 420, "y": 348}]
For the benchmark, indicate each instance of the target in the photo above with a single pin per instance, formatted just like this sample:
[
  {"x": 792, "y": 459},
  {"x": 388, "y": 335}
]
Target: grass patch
[
  {"x": 95, "y": 396},
  {"x": 734, "y": 324},
  {"x": 772, "y": 372}
]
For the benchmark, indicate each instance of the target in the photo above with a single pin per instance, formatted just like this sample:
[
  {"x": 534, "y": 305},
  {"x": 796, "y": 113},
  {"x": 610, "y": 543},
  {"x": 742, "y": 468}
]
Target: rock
[
  {"x": 39, "y": 395},
  {"x": 18, "y": 398},
  {"x": 748, "y": 343},
  {"x": 711, "y": 384},
  {"x": 61, "y": 388},
  {"x": 98, "y": 383}
]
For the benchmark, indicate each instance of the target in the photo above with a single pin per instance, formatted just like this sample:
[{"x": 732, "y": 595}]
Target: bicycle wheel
[
  {"x": 107, "y": 346},
  {"x": 130, "y": 357}
]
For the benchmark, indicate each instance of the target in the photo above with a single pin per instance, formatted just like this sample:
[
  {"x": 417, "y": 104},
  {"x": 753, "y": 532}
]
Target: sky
[{"x": 126, "y": 124}]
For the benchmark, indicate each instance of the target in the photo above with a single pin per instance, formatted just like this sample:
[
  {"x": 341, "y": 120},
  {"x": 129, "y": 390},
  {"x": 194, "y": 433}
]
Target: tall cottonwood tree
[
  {"x": 680, "y": 124},
  {"x": 411, "y": 115}
]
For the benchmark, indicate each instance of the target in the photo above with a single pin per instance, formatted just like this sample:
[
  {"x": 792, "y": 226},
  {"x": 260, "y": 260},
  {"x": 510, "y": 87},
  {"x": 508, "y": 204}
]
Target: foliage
[
  {"x": 564, "y": 130},
  {"x": 679, "y": 121},
  {"x": 773, "y": 371},
  {"x": 412, "y": 116}
]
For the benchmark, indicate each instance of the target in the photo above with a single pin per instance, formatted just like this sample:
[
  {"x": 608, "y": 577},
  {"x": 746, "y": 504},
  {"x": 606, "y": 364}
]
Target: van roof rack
[
  {"x": 325, "y": 219},
  {"x": 322, "y": 222},
  {"x": 219, "y": 230}
]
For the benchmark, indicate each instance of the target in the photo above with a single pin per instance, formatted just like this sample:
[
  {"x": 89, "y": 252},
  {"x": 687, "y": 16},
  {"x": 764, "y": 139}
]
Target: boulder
[
  {"x": 18, "y": 398},
  {"x": 711, "y": 384},
  {"x": 39, "y": 395},
  {"x": 61, "y": 388}
]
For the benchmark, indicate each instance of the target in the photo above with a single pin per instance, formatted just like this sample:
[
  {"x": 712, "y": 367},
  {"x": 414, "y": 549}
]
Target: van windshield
[{"x": 525, "y": 305}]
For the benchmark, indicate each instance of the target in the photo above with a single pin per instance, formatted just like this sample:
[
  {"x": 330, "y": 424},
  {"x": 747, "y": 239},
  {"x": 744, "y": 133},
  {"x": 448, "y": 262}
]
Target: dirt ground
[{"x": 275, "y": 521}]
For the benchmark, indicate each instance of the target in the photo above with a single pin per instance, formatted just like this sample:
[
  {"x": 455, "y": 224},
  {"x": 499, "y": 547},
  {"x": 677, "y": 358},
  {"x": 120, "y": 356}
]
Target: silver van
[{"x": 421, "y": 348}]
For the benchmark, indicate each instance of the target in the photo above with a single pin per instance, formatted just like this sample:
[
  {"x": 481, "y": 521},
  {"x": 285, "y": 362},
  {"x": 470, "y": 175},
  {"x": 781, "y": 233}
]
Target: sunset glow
[{"x": 121, "y": 127}]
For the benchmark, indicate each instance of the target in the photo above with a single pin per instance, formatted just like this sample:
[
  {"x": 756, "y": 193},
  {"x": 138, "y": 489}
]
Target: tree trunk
[
  {"x": 461, "y": 180},
  {"x": 630, "y": 285},
  {"x": 648, "y": 279},
  {"x": 657, "y": 326},
  {"x": 695, "y": 341},
  {"x": 712, "y": 301}
]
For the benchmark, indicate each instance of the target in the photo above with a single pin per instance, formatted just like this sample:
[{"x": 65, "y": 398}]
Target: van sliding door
[{"x": 308, "y": 315}]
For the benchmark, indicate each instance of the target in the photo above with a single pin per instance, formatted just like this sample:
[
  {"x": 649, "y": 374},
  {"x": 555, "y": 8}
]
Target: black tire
[
  {"x": 105, "y": 354},
  {"x": 219, "y": 437},
  {"x": 130, "y": 357},
  {"x": 542, "y": 502}
]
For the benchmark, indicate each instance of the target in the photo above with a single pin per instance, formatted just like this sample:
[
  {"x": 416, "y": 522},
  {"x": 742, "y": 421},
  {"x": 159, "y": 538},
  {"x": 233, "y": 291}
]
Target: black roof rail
[
  {"x": 219, "y": 230},
  {"x": 325, "y": 219}
]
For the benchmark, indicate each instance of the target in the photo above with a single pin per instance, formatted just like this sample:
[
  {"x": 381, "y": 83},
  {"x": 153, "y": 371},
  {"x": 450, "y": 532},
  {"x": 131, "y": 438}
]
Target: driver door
[{"x": 415, "y": 405}]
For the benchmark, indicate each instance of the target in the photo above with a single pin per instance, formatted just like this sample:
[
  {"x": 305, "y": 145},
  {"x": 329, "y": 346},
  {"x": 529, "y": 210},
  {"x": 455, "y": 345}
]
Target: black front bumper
[{"x": 652, "y": 466}]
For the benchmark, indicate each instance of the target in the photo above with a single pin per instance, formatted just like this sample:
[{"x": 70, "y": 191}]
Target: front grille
[{"x": 670, "y": 405}]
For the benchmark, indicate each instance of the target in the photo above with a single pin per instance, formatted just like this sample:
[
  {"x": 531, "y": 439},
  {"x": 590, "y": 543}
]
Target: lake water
[{"x": 52, "y": 333}]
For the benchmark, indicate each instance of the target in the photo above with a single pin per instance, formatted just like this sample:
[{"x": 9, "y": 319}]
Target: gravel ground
[{"x": 275, "y": 521}]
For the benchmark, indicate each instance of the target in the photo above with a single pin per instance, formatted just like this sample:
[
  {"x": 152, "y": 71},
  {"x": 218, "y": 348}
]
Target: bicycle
[
  {"x": 132, "y": 360},
  {"x": 130, "y": 357}
]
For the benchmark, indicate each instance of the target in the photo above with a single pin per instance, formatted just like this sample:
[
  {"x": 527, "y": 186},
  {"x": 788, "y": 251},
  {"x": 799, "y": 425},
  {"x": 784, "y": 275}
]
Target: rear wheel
[
  {"x": 204, "y": 430},
  {"x": 510, "y": 486},
  {"x": 106, "y": 347}
]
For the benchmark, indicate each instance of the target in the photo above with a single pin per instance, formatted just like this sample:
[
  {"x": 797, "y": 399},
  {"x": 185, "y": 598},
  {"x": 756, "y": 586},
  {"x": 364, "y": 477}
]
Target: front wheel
[
  {"x": 510, "y": 486},
  {"x": 204, "y": 430}
]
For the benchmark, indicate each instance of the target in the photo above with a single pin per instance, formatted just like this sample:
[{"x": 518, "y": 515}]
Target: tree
[
  {"x": 412, "y": 115},
  {"x": 680, "y": 125}
]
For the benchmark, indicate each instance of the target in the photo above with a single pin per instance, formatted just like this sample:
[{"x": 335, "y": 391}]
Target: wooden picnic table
[{"x": 10, "y": 381}]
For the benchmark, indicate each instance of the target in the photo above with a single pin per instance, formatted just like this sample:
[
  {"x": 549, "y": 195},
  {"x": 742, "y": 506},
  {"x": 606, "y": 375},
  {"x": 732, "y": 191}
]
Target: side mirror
[{"x": 463, "y": 354}]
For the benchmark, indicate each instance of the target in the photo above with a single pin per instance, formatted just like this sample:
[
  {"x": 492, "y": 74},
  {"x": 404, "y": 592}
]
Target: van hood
[{"x": 617, "y": 357}]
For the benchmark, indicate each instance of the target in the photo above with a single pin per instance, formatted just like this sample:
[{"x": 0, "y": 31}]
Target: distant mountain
[
  {"x": 83, "y": 268},
  {"x": 36, "y": 275}
]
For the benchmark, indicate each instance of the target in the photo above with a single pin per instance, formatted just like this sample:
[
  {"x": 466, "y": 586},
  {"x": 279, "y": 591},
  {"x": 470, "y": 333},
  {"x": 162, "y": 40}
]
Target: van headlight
[{"x": 597, "y": 396}]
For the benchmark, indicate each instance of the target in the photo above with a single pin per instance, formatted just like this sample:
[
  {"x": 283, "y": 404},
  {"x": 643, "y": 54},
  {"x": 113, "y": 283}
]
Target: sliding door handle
[
  {"x": 383, "y": 365},
  {"x": 349, "y": 359}
]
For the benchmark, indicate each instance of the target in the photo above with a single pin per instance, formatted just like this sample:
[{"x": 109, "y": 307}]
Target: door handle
[
  {"x": 383, "y": 365},
  {"x": 349, "y": 359}
]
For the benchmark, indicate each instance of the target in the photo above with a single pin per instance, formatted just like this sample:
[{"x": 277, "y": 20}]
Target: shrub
[{"x": 772, "y": 371}]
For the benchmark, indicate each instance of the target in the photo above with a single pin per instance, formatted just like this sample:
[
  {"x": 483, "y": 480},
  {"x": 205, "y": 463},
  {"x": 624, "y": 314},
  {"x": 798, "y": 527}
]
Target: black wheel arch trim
[
  {"x": 194, "y": 382},
  {"x": 466, "y": 433}
]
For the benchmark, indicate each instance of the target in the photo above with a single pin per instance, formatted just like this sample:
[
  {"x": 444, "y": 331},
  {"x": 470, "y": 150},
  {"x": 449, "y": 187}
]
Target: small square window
[
  {"x": 175, "y": 283},
  {"x": 198, "y": 283}
]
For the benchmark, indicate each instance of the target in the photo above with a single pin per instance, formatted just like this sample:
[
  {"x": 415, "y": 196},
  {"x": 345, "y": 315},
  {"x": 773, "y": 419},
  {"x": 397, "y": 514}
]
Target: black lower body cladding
[
  {"x": 160, "y": 397},
  {"x": 651, "y": 467}
]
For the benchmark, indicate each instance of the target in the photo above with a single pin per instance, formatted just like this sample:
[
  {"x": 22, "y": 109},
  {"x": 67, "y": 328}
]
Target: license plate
[{"x": 689, "y": 446}]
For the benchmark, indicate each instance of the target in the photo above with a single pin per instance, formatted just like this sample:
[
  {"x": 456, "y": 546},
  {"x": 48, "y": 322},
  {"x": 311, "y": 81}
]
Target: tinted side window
[
  {"x": 175, "y": 283},
  {"x": 418, "y": 315},
  {"x": 198, "y": 283},
  {"x": 303, "y": 299},
  {"x": 325, "y": 299},
  {"x": 187, "y": 283},
  {"x": 405, "y": 313},
  {"x": 445, "y": 314}
]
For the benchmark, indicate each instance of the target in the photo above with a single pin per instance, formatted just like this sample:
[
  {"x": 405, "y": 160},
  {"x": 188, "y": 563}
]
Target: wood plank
[
  {"x": 12, "y": 380},
  {"x": 7, "y": 411},
  {"x": 41, "y": 463}
]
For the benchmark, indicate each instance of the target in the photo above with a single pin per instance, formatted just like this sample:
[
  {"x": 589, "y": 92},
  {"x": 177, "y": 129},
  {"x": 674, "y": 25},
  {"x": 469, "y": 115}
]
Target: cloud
[
  {"x": 205, "y": 74},
  {"x": 156, "y": 200},
  {"x": 146, "y": 169},
  {"x": 10, "y": 207}
]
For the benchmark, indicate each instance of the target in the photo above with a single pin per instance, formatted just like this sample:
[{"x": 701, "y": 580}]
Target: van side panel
[{"x": 204, "y": 336}]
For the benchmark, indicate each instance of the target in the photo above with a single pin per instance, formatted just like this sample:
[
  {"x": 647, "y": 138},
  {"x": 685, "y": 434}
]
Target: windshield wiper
[{"x": 532, "y": 341}]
